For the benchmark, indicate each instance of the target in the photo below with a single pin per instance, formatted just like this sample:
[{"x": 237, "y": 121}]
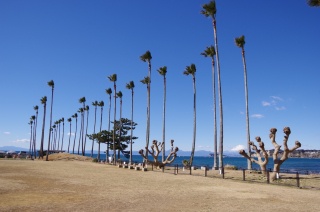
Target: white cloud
[
  {"x": 259, "y": 116},
  {"x": 22, "y": 140},
  {"x": 265, "y": 104},
  {"x": 237, "y": 148},
  {"x": 6, "y": 133},
  {"x": 280, "y": 108},
  {"x": 276, "y": 98}
]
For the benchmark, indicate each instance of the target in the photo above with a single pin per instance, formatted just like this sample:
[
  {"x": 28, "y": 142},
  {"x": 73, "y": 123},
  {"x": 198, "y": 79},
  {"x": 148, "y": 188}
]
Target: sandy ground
[{"x": 73, "y": 185}]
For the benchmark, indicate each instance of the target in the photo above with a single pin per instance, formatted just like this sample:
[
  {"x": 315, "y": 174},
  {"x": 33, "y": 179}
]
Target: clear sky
[{"x": 79, "y": 43}]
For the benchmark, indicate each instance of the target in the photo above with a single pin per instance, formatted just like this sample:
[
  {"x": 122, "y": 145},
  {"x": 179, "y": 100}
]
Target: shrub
[
  {"x": 230, "y": 167},
  {"x": 95, "y": 160}
]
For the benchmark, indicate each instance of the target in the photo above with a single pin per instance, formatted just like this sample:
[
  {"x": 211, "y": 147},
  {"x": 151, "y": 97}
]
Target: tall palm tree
[
  {"x": 81, "y": 111},
  {"x": 314, "y": 3},
  {"x": 62, "y": 120},
  {"x": 36, "y": 108},
  {"x": 44, "y": 102},
  {"x": 75, "y": 116},
  {"x": 119, "y": 95},
  {"x": 83, "y": 102},
  {"x": 210, "y": 52},
  {"x": 69, "y": 120},
  {"x": 240, "y": 42},
  {"x": 146, "y": 81},
  {"x": 210, "y": 10},
  {"x": 101, "y": 105},
  {"x": 146, "y": 57},
  {"x": 85, "y": 138},
  {"x": 191, "y": 70},
  {"x": 59, "y": 128},
  {"x": 113, "y": 78},
  {"x": 32, "y": 123},
  {"x": 54, "y": 137},
  {"x": 50, "y": 84},
  {"x": 95, "y": 104},
  {"x": 109, "y": 92},
  {"x": 130, "y": 86},
  {"x": 163, "y": 72},
  {"x": 31, "y": 137}
]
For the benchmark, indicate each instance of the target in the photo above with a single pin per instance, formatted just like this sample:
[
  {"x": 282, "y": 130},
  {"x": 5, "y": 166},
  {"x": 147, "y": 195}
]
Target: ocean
[{"x": 301, "y": 165}]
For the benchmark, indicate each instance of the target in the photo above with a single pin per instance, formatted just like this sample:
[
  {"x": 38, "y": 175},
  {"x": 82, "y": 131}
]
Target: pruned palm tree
[
  {"x": 54, "y": 137},
  {"x": 31, "y": 137},
  {"x": 119, "y": 95},
  {"x": 69, "y": 120},
  {"x": 210, "y": 52},
  {"x": 240, "y": 42},
  {"x": 50, "y": 84},
  {"x": 81, "y": 111},
  {"x": 146, "y": 81},
  {"x": 83, "y": 102},
  {"x": 113, "y": 78},
  {"x": 62, "y": 120},
  {"x": 59, "y": 128},
  {"x": 44, "y": 102},
  {"x": 109, "y": 92},
  {"x": 130, "y": 86},
  {"x": 75, "y": 116},
  {"x": 101, "y": 105},
  {"x": 95, "y": 104},
  {"x": 146, "y": 57},
  {"x": 85, "y": 138},
  {"x": 36, "y": 108},
  {"x": 163, "y": 72},
  {"x": 314, "y": 3},
  {"x": 32, "y": 123},
  {"x": 210, "y": 10},
  {"x": 191, "y": 70}
]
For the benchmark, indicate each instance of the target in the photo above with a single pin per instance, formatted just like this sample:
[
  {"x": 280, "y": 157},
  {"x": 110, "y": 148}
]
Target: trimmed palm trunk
[
  {"x": 240, "y": 41},
  {"x": 163, "y": 71},
  {"x": 130, "y": 86},
  {"x": 113, "y": 78},
  {"x": 146, "y": 57},
  {"x": 191, "y": 70},
  {"x": 95, "y": 104},
  {"x": 109, "y": 92},
  {"x": 44, "y": 102},
  {"x": 69, "y": 120},
  {"x": 210, "y": 10},
  {"x": 51, "y": 84}
]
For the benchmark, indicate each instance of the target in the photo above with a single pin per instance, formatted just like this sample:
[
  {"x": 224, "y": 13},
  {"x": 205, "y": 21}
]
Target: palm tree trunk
[
  {"x": 75, "y": 135},
  {"x": 131, "y": 127},
  {"x": 109, "y": 120},
  {"x": 114, "y": 124},
  {"x": 85, "y": 138},
  {"x": 164, "y": 119},
  {"x": 194, "y": 121},
  {"x": 247, "y": 108},
  {"x": 215, "y": 148},
  {"x": 42, "y": 131},
  {"x": 100, "y": 131},
  {"x": 47, "y": 156},
  {"x": 220, "y": 96},
  {"x": 69, "y": 138},
  {"x": 94, "y": 128},
  {"x": 62, "y": 136}
]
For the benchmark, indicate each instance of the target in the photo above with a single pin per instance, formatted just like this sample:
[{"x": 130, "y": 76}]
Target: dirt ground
[{"x": 75, "y": 185}]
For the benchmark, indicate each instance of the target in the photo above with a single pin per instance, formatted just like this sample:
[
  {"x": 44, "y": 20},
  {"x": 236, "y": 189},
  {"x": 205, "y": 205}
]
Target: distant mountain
[{"x": 13, "y": 148}]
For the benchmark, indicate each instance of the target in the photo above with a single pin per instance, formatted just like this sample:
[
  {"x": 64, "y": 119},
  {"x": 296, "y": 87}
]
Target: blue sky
[{"x": 79, "y": 43}]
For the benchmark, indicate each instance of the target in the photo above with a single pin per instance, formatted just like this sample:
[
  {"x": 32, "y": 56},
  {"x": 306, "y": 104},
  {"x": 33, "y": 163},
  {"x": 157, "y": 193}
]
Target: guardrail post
[
  {"x": 205, "y": 171},
  {"x": 177, "y": 168},
  {"x": 268, "y": 177},
  {"x": 298, "y": 179},
  {"x": 243, "y": 174}
]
